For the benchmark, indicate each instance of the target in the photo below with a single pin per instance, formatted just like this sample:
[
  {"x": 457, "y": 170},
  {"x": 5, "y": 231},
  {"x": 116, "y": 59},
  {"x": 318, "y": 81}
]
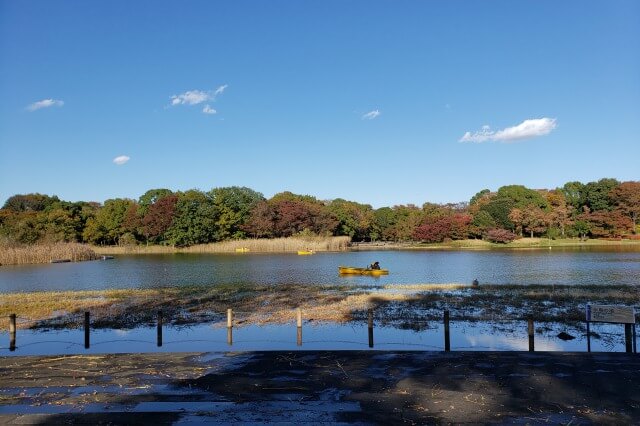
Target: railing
[{"x": 629, "y": 330}]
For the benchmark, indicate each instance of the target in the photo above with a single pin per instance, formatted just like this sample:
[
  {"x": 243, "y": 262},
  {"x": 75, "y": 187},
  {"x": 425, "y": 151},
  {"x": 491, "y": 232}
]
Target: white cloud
[
  {"x": 371, "y": 115},
  {"x": 208, "y": 110},
  {"x": 190, "y": 97},
  {"x": 120, "y": 160},
  {"x": 45, "y": 103},
  {"x": 527, "y": 129},
  {"x": 195, "y": 97}
]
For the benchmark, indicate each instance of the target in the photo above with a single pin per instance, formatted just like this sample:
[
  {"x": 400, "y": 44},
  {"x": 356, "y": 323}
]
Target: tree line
[{"x": 600, "y": 209}]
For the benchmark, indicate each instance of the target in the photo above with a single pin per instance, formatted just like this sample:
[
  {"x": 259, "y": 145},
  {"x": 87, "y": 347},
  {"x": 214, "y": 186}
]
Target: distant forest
[{"x": 603, "y": 209}]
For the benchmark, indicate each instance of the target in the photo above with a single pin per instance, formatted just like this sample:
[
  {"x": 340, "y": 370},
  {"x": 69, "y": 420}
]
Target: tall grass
[
  {"x": 45, "y": 253},
  {"x": 276, "y": 245}
]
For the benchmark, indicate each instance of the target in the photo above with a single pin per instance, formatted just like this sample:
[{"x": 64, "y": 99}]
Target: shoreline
[{"x": 76, "y": 252}]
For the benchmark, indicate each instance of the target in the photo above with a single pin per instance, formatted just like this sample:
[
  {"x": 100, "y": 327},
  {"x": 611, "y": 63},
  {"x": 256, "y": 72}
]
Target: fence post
[
  {"x": 87, "y": 323},
  {"x": 12, "y": 332},
  {"x": 531, "y": 335},
  {"x": 159, "y": 328},
  {"x": 627, "y": 339},
  {"x": 299, "y": 327},
  {"x": 230, "y": 326},
  {"x": 447, "y": 340},
  {"x": 370, "y": 326},
  {"x": 588, "y": 337}
]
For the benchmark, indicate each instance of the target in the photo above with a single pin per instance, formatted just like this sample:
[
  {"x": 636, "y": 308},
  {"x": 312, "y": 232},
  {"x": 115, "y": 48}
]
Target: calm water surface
[{"x": 557, "y": 266}]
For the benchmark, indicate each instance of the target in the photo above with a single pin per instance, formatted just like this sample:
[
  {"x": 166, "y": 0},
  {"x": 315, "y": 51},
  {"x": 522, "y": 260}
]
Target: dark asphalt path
[{"x": 343, "y": 387}]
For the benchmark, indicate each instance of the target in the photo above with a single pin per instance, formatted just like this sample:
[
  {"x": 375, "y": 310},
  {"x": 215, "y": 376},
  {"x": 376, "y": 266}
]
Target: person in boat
[{"x": 375, "y": 265}]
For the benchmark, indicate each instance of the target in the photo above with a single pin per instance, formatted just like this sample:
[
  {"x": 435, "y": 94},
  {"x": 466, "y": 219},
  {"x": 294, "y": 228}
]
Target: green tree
[
  {"x": 575, "y": 194},
  {"x": 481, "y": 223},
  {"x": 194, "y": 221},
  {"x": 107, "y": 226},
  {"x": 597, "y": 194},
  {"x": 354, "y": 219},
  {"x": 384, "y": 220},
  {"x": 233, "y": 206},
  {"x": 485, "y": 193},
  {"x": 30, "y": 202}
]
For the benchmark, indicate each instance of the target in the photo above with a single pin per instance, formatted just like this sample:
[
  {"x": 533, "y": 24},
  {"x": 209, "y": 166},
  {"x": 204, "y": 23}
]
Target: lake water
[
  {"x": 542, "y": 266},
  {"x": 465, "y": 336}
]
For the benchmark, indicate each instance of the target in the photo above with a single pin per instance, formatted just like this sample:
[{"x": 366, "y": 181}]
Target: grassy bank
[
  {"x": 276, "y": 245},
  {"x": 45, "y": 253},
  {"x": 400, "y": 305}
]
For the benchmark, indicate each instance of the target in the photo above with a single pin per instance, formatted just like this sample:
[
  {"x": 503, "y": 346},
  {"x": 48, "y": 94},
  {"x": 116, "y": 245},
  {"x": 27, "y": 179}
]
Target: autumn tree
[
  {"x": 626, "y": 199},
  {"x": 560, "y": 210},
  {"x": 603, "y": 223},
  {"x": 353, "y": 219},
  {"x": 159, "y": 217}
]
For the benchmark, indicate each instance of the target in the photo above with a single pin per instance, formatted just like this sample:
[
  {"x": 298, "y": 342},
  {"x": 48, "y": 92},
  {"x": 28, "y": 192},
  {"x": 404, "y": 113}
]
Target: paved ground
[{"x": 351, "y": 387}]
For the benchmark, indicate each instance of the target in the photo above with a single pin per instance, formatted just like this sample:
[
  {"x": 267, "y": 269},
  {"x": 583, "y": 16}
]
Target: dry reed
[
  {"x": 45, "y": 253},
  {"x": 263, "y": 245}
]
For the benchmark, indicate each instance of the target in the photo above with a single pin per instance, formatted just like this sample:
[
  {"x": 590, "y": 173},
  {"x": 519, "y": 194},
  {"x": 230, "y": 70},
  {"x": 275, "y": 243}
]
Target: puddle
[{"x": 464, "y": 336}]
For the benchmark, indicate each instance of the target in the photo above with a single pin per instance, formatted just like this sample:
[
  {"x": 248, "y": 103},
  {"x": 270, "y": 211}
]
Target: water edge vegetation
[{"x": 397, "y": 305}]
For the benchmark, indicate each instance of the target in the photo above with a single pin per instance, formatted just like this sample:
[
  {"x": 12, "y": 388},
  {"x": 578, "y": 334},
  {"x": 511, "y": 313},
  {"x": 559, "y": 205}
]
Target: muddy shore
[{"x": 358, "y": 387}]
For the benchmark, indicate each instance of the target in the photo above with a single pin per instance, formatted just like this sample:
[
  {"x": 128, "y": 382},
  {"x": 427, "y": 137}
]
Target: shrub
[{"x": 498, "y": 235}]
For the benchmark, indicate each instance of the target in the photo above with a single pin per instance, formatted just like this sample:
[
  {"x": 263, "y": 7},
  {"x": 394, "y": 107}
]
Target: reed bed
[
  {"x": 45, "y": 253},
  {"x": 263, "y": 245}
]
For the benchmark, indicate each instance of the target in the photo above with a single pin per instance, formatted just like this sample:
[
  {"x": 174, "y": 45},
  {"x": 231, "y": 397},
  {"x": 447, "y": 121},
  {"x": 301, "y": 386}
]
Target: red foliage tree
[
  {"x": 159, "y": 217},
  {"x": 455, "y": 227}
]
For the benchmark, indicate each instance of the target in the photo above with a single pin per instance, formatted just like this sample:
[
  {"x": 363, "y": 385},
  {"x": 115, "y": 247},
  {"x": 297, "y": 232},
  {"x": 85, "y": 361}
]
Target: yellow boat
[
  {"x": 351, "y": 270},
  {"x": 305, "y": 252},
  {"x": 242, "y": 250}
]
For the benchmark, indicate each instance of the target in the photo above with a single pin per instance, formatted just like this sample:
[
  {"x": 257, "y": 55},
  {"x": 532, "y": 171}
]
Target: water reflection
[{"x": 465, "y": 336}]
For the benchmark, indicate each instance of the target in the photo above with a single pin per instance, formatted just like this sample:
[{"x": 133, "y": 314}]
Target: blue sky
[{"x": 378, "y": 102}]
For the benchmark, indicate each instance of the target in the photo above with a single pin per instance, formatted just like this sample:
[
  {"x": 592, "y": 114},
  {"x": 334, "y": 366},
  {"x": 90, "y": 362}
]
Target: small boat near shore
[
  {"x": 305, "y": 252},
  {"x": 106, "y": 257},
  {"x": 242, "y": 250},
  {"x": 352, "y": 270}
]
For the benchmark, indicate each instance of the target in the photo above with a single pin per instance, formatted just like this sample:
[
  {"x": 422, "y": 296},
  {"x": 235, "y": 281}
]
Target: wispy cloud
[
  {"x": 371, "y": 115},
  {"x": 527, "y": 129},
  {"x": 195, "y": 97},
  {"x": 120, "y": 160},
  {"x": 208, "y": 110},
  {"x": 45, "y": 103},
  {"x": 220, "y": 90}
]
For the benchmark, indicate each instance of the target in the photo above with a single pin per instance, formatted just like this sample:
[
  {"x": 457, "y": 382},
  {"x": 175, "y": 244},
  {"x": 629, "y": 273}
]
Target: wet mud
[{"x": 349, "y": 387}]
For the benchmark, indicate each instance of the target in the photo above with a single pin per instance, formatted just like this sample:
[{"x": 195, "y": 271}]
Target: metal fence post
[{"x": 531, "y": 335}]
